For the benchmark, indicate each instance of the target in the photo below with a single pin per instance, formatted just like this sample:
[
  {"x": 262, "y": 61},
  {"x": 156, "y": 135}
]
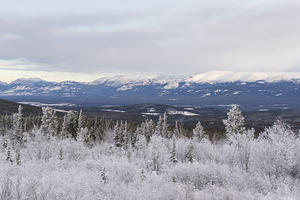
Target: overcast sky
[{"x": 80, "y": 39}]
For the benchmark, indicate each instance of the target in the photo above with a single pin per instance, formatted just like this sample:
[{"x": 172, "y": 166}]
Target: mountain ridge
[
  {"x": 282, "y": 90},
  {"x": 206, "y": 77}
]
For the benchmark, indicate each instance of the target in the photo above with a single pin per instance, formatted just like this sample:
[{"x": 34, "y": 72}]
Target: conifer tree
[
  {"x": 18, "y": 156},
  {"x": 235, "y": 122},
  {"x": 119, "y": 134},
  {"x": 17, "y": 137},
  {"x": 80, "y": 122},
  {"x": 173, "y": 157},
  {"x": 147, "y": 128},
  {"x": 69, "y": 128},
  {"x": 159, "y": 126},
  {"x": 189, "y": 155},
  {"x": 176, "y": 130},
  {"x": 49, "y": 122},
  {"x": 165, "y": 126},
  {"x": 54, "y": 124},
  {"x": 198, "y": 132},
  {"x": 64, "y": 131}
]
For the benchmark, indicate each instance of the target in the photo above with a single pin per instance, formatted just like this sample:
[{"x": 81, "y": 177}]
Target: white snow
[
  {"x": 151, "y": 113},
  {"x": 229, "y": 76},
  {"x": 111, "y": 110},
  {"x": 185, "y": 113},
  {"x": 189, "y": 109},
  {"x": 39, "y": 104}
]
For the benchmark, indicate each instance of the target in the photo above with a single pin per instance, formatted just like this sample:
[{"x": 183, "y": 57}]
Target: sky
[{"x": 82, "y": 39}]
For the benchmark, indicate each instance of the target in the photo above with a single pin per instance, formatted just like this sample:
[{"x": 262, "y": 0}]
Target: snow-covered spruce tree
[
  {"x": 8, "y": 152},
  {"x": 147, "y": 129},
  {"x": 18, "y": 156},
  {"x": 45, "y": 120},
  {"x": 70, "y": 123},
  {"x": 165, "y": 126},
  {"x": 80, "y": 122},
  {"x": 54, "y": 124},
  {"x": 82, "y": 135},
  {"x": 64, "y": 131},
  {"x": 119, "y": 134},
  {"x": 159, "y": 126},
  {"x": 176, "y": 131},
  {"x": 235, "y": 122},
  {"x": 127, "y": 136},
  {"x": 173, "y": 157},
  {"x": 49, "y": 125},
  {"x": 2, "y": 125},
  {"x": 17, "y": 137},
  {"x": 189, "y": 155},
  {"x": 198, "y": 132}
]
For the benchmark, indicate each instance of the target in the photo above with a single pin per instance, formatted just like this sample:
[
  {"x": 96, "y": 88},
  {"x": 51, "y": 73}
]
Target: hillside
[
  {"x": 9, "y": 107},
  {"x": 253, "y": 91}
]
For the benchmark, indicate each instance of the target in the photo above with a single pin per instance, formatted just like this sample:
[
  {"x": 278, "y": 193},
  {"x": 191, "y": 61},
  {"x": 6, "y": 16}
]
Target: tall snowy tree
[
  {"x": 119, "y": 134},
  {"x": 17, "y": 136},
  {"x": 235, "y": 122},
  {"x": 165, "y": 126},
  {"x": 173, "y": 157},
  {"x": 45, "y": 120},
  {"x": 64, "y": 132},
  {"x": 189, "y": 154},
  {"x": 176, "y": 131},
  {"x": 159, "y": 126},
  {"x": 49, "y": 125},
  {"x": 80, "y": 122},
  {"x": 70, "y": 124},
  {"x": 198, "y": 132},
  {"x": 147, "y": 128}
]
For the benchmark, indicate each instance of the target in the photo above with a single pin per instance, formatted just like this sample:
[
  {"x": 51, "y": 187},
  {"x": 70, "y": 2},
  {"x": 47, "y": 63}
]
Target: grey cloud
[{"x": 188, "y": 40}]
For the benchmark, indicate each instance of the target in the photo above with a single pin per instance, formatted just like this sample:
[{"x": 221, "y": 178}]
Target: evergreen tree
[
  {"x": 8, "y": 153},
  {"x": 189, "y": 155},
  {"x": 119, "y": 134},
  {"x": 198, "y": 132},
  {"x": 70, "y": 124},
  {"x": 147, "y": 128},
  {"x": 173, "y": 157},
  {"x": 17, "y": 136},
  {"x": 176, "y": 130},
  {"x": 64, "y": 131},
  {"x": 18, "y": 156},
  {"x": 49, "y": 122},
  {"x": 165, "y": 126},
  {"x": 80, "y": 122},
  {"x": 159, "y": 126},
  {"x": 126, "y": 134},
  {"x": 54, "y": 124},
  {"x": 235, "y": 122},
  {"x": 84, "y": 136}
]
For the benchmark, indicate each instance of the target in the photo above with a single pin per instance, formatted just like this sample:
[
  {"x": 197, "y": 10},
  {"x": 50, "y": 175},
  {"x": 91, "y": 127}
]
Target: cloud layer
[{"x": 157, "y": 37}]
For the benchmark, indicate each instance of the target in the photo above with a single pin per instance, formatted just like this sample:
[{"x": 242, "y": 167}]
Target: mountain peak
[
  {"x": 230, "y": 76},
  {"x": 27, "y": 80}
]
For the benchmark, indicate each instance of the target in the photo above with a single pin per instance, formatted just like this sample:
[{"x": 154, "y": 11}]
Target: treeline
[{"x": 74, "y": 123}]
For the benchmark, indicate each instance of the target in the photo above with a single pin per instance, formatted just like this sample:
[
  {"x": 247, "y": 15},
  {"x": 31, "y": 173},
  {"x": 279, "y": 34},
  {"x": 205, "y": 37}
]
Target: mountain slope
[
  {"x": 252, "y": 90},
  {"x": 8, "y": 107}
]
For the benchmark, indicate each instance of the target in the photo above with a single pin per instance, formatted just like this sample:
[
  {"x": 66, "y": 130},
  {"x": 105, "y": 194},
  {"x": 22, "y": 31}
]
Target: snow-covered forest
[{"x": 42, "y": 158}]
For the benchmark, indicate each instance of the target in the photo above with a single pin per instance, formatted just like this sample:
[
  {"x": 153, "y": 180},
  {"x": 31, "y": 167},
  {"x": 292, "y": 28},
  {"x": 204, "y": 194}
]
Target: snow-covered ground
[{"x": 152, "y": 162}]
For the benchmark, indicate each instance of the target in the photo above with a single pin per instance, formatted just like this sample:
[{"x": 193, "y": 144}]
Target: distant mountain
[{"x": 251, "y": 90}]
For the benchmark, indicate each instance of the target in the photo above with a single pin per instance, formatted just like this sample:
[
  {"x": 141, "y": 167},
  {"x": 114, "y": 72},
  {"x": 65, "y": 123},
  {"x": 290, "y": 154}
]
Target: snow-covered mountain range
[{"x": 211, "y": 88}]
